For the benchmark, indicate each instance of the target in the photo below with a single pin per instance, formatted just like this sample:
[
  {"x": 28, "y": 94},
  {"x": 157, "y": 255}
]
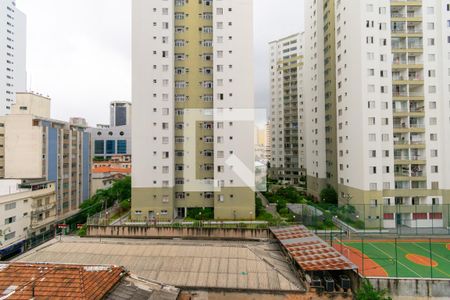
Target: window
[
  {"x": 110, "y": 147},
  {"x": 10, "y": 206},
  {"x": 121, "y": 147},
  {"x": 10, "y": 235},
  {"x": 99, "y": 147},
  {"x": 10, "y": 220}
]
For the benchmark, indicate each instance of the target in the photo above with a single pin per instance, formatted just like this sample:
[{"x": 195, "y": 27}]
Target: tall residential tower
[
  {"x": 286, "y": 112},
  {"x": 193, "y": 125},
  {"x": 13, "y": 76},
  {"x": 378, "y": 122}
]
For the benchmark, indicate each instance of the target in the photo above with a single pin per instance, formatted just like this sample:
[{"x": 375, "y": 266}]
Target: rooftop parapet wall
[{"x": 189, "y": 233}]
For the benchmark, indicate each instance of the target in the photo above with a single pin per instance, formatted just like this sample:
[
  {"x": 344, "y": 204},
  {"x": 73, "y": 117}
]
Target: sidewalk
[{"x": 269, "y": 208}]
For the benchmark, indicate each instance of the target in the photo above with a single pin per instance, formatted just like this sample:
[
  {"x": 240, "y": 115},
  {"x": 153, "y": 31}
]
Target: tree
[
  {"x": 368, "y": 292},
  {"x": 329, "y": 195}
]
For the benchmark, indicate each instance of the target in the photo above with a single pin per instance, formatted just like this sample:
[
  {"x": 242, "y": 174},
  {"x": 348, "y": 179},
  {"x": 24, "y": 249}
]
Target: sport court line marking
[
  {"x": 434, "y": 254},
  {"x": 435, "y": 268},
  {"x": 394, "y": 260}
]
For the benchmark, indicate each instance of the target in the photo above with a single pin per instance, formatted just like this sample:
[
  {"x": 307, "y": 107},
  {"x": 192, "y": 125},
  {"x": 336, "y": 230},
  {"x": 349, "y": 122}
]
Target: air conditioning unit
[
  {"x": 329, "y": 284},
  {"x": 345, "y": 282}
]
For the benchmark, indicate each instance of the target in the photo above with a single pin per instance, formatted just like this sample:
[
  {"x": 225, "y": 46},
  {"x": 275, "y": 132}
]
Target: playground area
[{"x": 398, "y": 258}]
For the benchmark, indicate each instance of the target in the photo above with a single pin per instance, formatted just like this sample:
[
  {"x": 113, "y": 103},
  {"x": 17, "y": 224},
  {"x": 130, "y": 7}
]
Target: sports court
[{"x": 411, "y": 258}]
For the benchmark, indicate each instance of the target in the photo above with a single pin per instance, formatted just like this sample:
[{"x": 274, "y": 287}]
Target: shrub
[
  {"x": 368, "y": 292},
  {"x": 329, "y": 195}
]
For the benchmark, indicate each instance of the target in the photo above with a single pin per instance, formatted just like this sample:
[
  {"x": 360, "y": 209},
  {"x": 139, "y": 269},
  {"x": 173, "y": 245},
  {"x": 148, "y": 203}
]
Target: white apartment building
[
  {"x": 286, "y": 110},
  {"x": 27, "y": 209},
  {"x": 192, "y": 76},
  {"x": 384, "y": 141},
  {"x": 13, "y": 77}
]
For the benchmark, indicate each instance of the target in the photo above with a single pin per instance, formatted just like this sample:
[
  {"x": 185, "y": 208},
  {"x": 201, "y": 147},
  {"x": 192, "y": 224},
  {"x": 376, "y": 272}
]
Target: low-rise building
[
  {"x": 116, "y": 161},
  {"x": 38, "y": 147},
  {"x": 104, "y": 177},
  {"x": 27, "y": 209}
]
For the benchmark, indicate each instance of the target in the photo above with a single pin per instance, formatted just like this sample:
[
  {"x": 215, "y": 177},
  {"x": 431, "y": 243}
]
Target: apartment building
[
  {"x": 13, "y": 77},
  {"x": 28, "y": 208},
  {"x": 286, "y": 110},
  {"x": 192, "y": 80},
  {"x": 378, "y": 123},
  {"x": 38, "y": 147}
]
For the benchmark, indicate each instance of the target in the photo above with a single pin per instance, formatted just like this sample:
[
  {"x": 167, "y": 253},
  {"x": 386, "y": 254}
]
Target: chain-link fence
[{"x": 400, "y": 219}]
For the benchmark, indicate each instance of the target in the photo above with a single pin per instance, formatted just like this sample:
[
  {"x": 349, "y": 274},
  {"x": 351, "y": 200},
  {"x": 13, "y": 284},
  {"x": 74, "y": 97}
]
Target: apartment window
[
  {"x": 373, "y": 186},
  {"x": 219, "y": 11},
  {"x": 10, "y": 220},
  {"x": 371, "y": 121},
  {"x": 434, "y": 169},
  {"x": 372, "y": 137},
  {"x": 433, "y": 137},
  {"x": 385, "y": 137},
  {"x": 372, "y": 170},
  {"x": 433, "y": 121},
  {"x": 434, "y": 153},
  {"x": 372, "y": 153},
  {"x": 10, "y": 235},
  {"x": 10, "y": 206}
]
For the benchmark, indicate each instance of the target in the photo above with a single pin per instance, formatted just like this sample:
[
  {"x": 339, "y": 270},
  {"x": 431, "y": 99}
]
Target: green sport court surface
[{"x": 406, "y": 258}]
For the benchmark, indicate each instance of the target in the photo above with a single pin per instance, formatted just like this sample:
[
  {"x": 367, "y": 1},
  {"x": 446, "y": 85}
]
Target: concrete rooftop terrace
[{"x": 257, "y": 266}]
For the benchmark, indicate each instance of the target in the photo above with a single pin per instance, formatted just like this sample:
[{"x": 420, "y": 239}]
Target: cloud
[{"x": 79, "y": 51}]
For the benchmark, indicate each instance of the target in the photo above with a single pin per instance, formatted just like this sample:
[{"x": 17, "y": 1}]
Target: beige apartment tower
[
  {"x": 193, "y": 134},
  {"x": 287, "y": 162},
  {"x": 377, "y": 107}
]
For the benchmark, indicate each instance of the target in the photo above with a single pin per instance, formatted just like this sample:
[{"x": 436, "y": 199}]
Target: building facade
[
  {"x": 286, "y": 110},
  {"x": 120, "y": 113},
  {"x": 13, "y": 77},
  {"x": 378, "y": 122},
  {"x": 38, "y": 147},
  {"x": 28, "y": 208},
  {"x": 113, "y": 139},
  {"x": 192, "y": 74}
]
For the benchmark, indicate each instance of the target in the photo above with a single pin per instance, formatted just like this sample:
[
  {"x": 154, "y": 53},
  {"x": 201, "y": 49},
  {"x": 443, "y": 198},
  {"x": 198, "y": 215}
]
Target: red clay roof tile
[{"x": 57, "y": 281}]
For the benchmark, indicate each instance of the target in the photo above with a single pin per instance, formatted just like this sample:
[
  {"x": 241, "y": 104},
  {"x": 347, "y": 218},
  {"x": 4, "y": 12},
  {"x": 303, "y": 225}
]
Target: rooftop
[
  {"x": 309, "y": 251},
  {"x": 257, "y": 266},
  {"x": 45, "y": 281},
  {"x": 111, "y": 170}
]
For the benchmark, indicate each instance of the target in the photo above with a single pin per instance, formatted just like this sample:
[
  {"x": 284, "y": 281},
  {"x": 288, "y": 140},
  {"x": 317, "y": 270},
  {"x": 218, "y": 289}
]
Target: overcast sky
[{"x": 79, "y": 51}]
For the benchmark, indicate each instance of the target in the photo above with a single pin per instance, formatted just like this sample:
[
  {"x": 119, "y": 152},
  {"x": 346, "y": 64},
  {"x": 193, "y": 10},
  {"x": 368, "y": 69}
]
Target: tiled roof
[
  {"x": 57, "y": 281},
  {"x": 111, "y": 170},
  {"x": 309, "y": 251}
]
